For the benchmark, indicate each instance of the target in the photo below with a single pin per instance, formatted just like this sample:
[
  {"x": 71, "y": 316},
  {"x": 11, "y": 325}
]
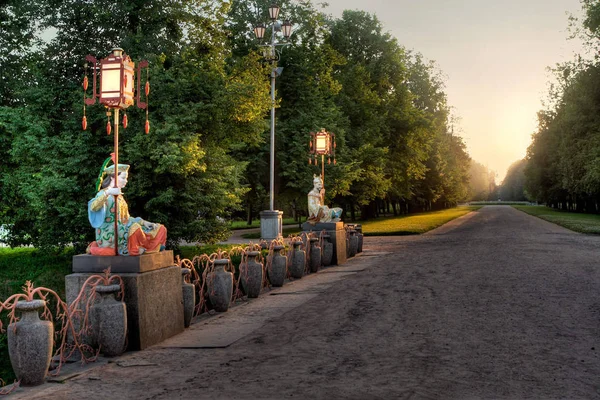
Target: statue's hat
[{"x": 109, "y": 169}]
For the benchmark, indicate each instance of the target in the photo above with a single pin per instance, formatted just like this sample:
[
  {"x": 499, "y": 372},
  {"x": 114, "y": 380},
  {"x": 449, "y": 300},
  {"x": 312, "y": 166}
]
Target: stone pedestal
[
  {"x": 153, "y": 293},
  {"x": 271, "y": 225},
  {"x": 338, "y": 237}
]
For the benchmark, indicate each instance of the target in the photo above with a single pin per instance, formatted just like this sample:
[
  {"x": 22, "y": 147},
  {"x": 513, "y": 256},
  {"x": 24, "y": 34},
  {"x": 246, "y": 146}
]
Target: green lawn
[
  {"x": 256, "y": 223},
  {"x": 285, "y": 232},
  {"x": 412, "y": 224},
  {"x": 578, "y": 222}
]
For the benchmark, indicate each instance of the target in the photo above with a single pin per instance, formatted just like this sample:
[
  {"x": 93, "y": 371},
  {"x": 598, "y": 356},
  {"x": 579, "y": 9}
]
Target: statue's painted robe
[
  {"x": 134, "y": 237},
  {"x": 320, "y": 213}
]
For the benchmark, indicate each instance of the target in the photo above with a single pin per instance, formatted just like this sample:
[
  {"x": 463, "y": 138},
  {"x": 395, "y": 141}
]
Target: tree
[
  {"x": 183, "y": 173},
  {"x": 482, "y": 182},
  {"x": 513, "y": 185}
]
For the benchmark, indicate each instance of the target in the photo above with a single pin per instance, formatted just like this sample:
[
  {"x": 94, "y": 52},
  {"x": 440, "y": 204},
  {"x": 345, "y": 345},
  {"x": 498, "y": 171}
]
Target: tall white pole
[{"x": 272, "y": 169}]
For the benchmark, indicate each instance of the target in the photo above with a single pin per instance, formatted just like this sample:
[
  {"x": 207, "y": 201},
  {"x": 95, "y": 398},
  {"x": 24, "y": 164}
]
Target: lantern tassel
[
  {"x": 108, "y": 128},
  {"x": 85, "y": 86}
]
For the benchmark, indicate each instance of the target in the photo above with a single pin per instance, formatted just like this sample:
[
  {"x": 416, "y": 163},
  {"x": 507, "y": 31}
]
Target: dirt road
[{"x": 495, "y": 305}]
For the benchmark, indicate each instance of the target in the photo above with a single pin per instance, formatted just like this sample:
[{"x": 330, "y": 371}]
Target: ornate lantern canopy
[
  {"x": 116, "y": 80},
  {"x": 117, "y": 74},
  {"x": 273, "y": 11},
  {"x": 259, "y": 31},
  {"x": 286, "y": 29},
  {"x": 322, "y": 144}
]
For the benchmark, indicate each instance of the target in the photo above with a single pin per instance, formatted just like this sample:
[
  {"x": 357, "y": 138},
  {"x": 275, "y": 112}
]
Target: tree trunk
[
  {"x": 294, "y": 211},
  {"x": 249, "y": 214}
]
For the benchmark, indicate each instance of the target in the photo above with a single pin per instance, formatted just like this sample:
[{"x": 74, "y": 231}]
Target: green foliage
[
  {"x": 563, "y": 159},
  {"x": 42, "y": 268},
  {"x": 513, "y": 186},
  {"x": 183, "y": 174},
  {"x": 6, "y": 372},
  {"x": 207, "y": 154},
  {"x": 562, "y": 168},
  {"x": 481, "y": 182}
]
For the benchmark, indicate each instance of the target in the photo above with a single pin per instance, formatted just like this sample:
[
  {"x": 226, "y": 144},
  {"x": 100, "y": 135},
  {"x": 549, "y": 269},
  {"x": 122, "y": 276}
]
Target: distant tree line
[
  {"x": 513, "y": 185},
  {"x": 207, "y": 153},
  {"x": 482, "y": 183},
  {"x": 563, "y": 161}
]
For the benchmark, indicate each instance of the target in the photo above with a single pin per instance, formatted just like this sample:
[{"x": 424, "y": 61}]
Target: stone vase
[
  {"x": 347, "y": 244},
  {"x": 360, "y": 238},
  {"x": 315, "y": 255},
  {"x": 109, "y": 321},
  {"x": 252, "y": 275},
  {"x": 298, "y": 261},
  {"x": 30, "y": 342},
  {"x": 220, "y": 286},
  {"x": 326, "y": 251},
  {"x": 278, "y": 268},
  {"x": 189, "y": 298},
  {"x": 353, "y": 243}
]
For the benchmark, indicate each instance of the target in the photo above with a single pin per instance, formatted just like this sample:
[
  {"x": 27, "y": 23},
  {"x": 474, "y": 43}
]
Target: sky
[{"x": 494, "y": 54}]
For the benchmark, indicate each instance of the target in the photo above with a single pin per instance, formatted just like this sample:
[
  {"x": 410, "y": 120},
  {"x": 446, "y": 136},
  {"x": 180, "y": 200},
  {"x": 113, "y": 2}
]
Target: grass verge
[
  {"x": 256, "y": 223},
  {"x": 412, "y": 224},
  {"x": 285, "y": 233},
  {"x": 578, "y": 222}
]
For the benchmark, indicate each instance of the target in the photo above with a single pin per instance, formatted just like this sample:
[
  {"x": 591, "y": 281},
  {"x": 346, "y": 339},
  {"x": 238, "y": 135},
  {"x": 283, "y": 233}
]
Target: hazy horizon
[{"x": 495, "y": 57}]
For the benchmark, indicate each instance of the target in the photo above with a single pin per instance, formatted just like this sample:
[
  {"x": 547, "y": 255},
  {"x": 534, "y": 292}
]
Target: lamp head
[
  {"x": 286, "y": 28},
  {"x": 259, "y": 31},
  {"x": 273, "y": 11}
]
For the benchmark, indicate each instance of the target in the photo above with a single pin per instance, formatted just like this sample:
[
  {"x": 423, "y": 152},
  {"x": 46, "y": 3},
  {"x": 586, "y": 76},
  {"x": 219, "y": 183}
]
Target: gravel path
[{"x": 494, "y": 305}]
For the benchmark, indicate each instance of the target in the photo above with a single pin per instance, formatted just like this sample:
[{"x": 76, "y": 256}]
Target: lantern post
[{"x": 116, "y": 93}]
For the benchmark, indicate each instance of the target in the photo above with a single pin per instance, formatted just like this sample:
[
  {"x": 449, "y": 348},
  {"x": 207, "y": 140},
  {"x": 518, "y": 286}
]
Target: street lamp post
[{"x": 271, "y": 220}]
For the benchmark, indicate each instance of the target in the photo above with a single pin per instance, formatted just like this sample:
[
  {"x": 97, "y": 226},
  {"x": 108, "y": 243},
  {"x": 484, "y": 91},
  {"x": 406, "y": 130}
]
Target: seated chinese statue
[
  {"x": 317, "y": 212},
  {"x": 136, "y": 236}
]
